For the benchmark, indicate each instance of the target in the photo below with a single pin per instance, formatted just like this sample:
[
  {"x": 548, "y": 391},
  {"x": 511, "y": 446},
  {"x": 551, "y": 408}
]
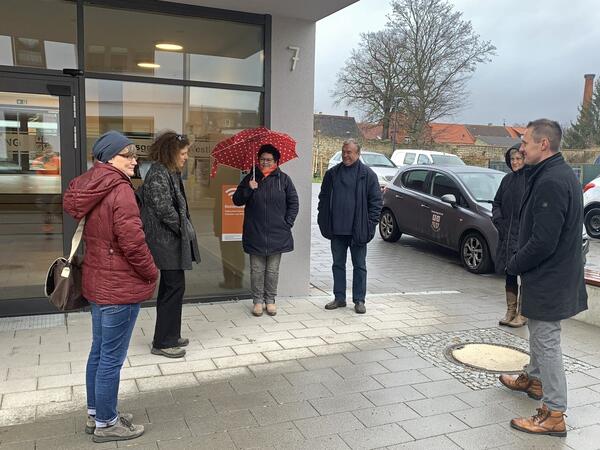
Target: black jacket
[
  {"x": 505, "y": 212},
  {"x": 270, "y": 212},
  {"x": 366, "y": 211},
  {"x": 164, "y": 211},
  {"x": 549, "y": 257}
]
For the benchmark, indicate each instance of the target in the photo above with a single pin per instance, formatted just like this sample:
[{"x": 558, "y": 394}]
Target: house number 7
[{"x": 295, "y": 57}]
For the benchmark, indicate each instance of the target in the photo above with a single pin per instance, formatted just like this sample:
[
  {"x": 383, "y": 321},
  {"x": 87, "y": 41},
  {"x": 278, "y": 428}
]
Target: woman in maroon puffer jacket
[{"x": 118, "y": 274}]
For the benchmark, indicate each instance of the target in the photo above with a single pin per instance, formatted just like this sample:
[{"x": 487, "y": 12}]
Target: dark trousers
[
  {"x": 168, "y": 308},
  {"x": 512, "y": 285},
  {"x": 358, "y": 253}
]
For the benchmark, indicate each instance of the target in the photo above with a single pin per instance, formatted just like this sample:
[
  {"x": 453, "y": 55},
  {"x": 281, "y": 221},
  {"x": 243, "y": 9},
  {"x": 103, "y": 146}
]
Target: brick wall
[{"x": 475, "y": 155}]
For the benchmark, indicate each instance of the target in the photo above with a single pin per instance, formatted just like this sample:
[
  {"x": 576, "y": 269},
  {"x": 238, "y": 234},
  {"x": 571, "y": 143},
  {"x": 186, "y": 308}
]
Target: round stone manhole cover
[{"x": 488, "y": 357}]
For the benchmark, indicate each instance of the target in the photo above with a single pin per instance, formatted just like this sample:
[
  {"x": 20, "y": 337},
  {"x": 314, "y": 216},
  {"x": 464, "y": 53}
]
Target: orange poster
[{"x": 232, "y": 216}]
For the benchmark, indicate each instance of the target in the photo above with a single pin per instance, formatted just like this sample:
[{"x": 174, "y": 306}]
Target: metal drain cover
[{"x": 488, "y": 357}]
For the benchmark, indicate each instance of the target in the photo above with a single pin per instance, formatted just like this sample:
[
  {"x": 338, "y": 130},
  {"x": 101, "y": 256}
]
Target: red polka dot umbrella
[{"x": 240, "y": 150}]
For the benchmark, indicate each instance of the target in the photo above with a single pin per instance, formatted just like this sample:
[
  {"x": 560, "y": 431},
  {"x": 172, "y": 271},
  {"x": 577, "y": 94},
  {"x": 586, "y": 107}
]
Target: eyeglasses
[
  {"x": 266, "y": 160},
  {"x": 129, "y": 155}
]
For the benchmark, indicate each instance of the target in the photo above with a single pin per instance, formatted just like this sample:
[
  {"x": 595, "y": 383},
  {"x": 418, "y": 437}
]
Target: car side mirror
[{"x": 449, "y": 198}]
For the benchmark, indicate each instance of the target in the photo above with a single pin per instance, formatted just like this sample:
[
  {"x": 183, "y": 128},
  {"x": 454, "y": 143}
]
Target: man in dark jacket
[
  {"x": 349, "y": 209},
  {"x": 549, "y": 262}
]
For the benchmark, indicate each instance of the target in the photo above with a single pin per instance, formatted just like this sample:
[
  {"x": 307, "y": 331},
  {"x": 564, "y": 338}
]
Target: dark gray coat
[
  {"x": 367, "y": 207},
  {"x": 164, "y": 210},
  {"x": 505, "y": 213},
  {"x": 549, "y": 257},
  {"x": 269, "y": 214}
]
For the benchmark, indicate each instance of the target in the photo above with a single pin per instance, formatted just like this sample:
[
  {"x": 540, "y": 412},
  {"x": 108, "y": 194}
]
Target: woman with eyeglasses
[
  {"x": 118, "y": 274},
  {"x": 271, "y": 207},
  {"x": 170, "y": 236}
]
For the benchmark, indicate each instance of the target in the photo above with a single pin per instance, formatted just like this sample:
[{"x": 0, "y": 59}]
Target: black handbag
[{"x": 63, "y": 280}]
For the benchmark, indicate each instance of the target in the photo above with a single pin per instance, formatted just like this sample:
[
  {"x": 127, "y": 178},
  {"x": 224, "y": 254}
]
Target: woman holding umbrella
[{"x": 271, "y": 207}]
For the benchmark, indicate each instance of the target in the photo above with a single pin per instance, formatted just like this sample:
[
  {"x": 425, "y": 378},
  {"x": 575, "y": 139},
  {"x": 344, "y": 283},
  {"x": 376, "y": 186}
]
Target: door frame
[{"x": 66, "y": 88}]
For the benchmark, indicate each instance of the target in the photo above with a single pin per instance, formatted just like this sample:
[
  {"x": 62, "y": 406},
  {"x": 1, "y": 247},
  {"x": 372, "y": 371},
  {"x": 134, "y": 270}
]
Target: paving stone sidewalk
[{"x": 304, "y": 379}]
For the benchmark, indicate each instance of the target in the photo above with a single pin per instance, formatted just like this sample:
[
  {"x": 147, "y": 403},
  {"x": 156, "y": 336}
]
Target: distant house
[
  {"x": 516, "y": 132},
  {"x": 492, "y": 135},
  {"x": 336, "y": 126},
  {"x": 451, "y": 133}
]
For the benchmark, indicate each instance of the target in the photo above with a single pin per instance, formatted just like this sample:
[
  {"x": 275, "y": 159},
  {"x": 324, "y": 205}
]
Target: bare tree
[
  {"x": 443, "y": 51},
  {"x": 374, "y": 78}
]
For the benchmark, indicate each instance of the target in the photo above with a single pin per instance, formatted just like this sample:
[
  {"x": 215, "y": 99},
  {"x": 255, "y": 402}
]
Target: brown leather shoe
[
  {"x": 551, "y": 423},
  {"x": 531, "y": 386},
  {"x": 271, "y": 309},
  {"x": 257, "y": 309}
]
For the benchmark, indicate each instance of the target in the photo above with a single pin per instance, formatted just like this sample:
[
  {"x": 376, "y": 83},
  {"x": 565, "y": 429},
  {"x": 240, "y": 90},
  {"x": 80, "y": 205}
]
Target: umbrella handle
[{"x": 253, "y": 169}]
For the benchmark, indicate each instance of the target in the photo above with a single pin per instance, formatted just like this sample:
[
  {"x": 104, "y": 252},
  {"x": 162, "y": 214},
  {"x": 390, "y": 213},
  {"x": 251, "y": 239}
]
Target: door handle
[
  {"x": 398, "y": 196},
  {"x": 425, "y": 206}
]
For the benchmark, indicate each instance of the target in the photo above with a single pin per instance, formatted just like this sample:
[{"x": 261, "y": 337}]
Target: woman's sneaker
[
  {"x": 90, "y": 424},
  {"x": 123, "y": 430}
]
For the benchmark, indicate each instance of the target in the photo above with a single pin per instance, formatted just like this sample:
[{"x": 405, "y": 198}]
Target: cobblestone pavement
[{"x": 306, "y": 378}]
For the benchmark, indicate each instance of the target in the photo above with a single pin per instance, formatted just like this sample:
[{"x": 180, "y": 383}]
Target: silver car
[
  {"x": 383, "y": 166},
  {"x": 451, "y": 206}
]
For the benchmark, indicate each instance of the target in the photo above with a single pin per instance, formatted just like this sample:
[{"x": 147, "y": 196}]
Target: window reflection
[
  {"x": 198, "y": 49},
  {"x": 30, "y": 191},
  {"x": 206, "y": 116},
  {"x": 38, "y": 34}
]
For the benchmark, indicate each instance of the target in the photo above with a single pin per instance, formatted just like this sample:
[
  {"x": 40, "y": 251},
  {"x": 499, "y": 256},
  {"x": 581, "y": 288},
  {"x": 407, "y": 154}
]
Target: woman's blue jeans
[{"x": 112, "y": 326}]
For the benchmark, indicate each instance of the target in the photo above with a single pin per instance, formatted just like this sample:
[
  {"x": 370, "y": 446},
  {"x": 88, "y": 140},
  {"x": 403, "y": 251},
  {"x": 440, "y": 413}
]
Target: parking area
[{"x": 306, "y": 378}]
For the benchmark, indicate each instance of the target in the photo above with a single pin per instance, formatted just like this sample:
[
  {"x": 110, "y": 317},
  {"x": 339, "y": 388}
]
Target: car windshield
[
  {"x": 377, "y": 160},
  {"x": 447, "y": 160},
  {"x": 481, "y": 185}
]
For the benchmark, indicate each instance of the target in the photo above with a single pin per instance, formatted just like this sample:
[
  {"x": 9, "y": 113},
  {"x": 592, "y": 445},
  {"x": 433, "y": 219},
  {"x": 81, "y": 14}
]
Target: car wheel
[
  {"x": 475, "y": 254},
  {"x": 592, "y": 223},
  {"x": 388, "y": 228}
]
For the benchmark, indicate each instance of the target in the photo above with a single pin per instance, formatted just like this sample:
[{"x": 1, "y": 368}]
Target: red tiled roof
[
  {"x": 450, "y": 133},
  {"x": 516, "y": 132},
  {"x": 370, "y": 130}
]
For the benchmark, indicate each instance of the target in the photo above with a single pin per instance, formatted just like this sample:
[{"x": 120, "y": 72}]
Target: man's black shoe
[
  {"x": 359, "y": 307},
  {"x": 334, "y": 304}
]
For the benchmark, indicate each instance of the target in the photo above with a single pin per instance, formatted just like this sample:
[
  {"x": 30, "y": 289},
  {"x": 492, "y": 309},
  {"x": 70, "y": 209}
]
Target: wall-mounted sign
[{"x": 232, "y": 216}]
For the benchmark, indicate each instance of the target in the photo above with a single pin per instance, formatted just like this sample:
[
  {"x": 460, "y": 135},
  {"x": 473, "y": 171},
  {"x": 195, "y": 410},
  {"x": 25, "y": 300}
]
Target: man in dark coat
[
  {"x": 505, "y": 215},
  {"x": 550, "y": 264},
  {"x": 349, "y": 209}
]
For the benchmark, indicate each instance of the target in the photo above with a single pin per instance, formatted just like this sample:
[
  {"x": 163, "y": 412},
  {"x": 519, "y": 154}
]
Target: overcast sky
[{"x": 544, "y": 47}]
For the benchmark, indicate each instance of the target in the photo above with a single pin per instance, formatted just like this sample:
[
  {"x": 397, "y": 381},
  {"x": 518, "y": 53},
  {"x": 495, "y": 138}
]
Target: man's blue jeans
[
  {"x": 112, "y": 326},
  {"x": 339, "y": 251}
]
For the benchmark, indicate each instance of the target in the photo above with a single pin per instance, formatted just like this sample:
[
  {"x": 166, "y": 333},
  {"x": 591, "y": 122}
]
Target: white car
[
  {"x": 406, "y": 157},
  {"x": 383, "y": 167},
  {"x": 591, "y": 208}
]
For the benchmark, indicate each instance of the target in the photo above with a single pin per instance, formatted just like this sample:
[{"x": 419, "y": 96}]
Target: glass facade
[
  {"x": 167, "y": 46},
  {"x": 144, "y": 72},
  {"x": 40, "y": 34}
]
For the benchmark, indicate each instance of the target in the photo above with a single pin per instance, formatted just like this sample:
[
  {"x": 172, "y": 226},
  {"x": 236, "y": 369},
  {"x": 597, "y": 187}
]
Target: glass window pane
[
  {"x": 206, "y": 116},
  {"x": 169, "y": 46},
  {"x": 30, "y": 192},
  {"x": 38, "y": 33}
]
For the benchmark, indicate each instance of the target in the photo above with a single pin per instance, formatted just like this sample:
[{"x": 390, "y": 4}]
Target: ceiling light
[
  {"x": 167, "y": 46},
  {"x": 148, "y": 65}
]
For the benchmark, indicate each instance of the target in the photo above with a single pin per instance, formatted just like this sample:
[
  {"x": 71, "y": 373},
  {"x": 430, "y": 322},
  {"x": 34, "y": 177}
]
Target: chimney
[
  {"x": 346, "y": 113},
  {"x": 588, "y": 89}
]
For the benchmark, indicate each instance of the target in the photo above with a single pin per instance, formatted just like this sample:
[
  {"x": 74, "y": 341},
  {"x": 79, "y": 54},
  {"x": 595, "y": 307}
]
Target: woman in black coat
[
  {"x": 505, "y": 215},
  {"x": 271, "y": 207},
  {"x": 170, "y": 236}
]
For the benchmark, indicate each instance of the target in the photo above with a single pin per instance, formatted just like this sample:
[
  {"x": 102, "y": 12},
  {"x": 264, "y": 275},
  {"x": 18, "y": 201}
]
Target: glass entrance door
[{"x": 37, "y": 158}]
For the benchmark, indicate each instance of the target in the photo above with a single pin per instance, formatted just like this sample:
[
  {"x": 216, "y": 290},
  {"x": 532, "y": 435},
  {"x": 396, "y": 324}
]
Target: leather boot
[
  {"x": 257, "y": 309},
  {"x": 522, "y": 383},
  {"x": 518, "y": 320},
  {"x": 271, "y": 309},
  {"x": 551, "y": 423},
  {"x": 511, "y": 308}
]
